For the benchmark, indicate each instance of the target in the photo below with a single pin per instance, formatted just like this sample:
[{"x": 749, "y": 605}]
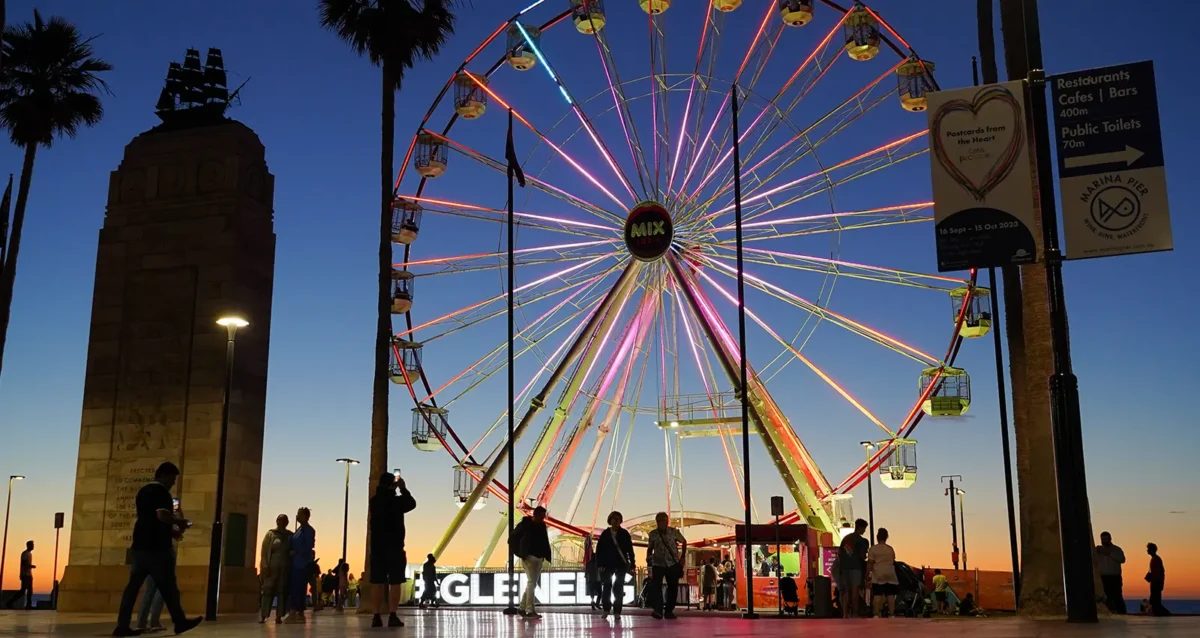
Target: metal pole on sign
[
  {"x": 1074, "y": 515},
  {"x": 985, "y": 19},
  {"x": 741, "y": 291},
  {"x": 511, "y": 609},
  {"x": 962, "y": 526}
]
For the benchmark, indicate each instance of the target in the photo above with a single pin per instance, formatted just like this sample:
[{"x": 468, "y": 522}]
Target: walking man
[
  {"x": 665, "y": 551},
  {"x": 27, "y": 568},
  {"x": 429, "y": 591},
  {"x": 1109, "y": 559},
  {"x": 274, "y": 558},
  {"x": 388, "y": 559},
  {"x": 150, "y": 551},
  {"x": 1157, "y": 577},
  {"x": 531, "y": 543},
  {"x": 614, "y": 558}
]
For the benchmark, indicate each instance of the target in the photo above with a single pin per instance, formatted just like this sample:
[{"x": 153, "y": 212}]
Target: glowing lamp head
[
  {"x": 674, "y": 424},
  {"x": 232, "y": 322},
  {"x": 16, "y": 477}
]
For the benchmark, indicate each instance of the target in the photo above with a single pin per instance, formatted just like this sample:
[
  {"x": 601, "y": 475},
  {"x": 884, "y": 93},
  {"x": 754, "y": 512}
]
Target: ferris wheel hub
[{"x": 649, "y": 231}]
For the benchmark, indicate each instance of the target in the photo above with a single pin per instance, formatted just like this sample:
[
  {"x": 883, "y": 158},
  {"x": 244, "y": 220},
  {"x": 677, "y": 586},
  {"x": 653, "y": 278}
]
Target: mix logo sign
[
  {"x": 648, "y": 231},
  {"x": 494, "y": 588}
]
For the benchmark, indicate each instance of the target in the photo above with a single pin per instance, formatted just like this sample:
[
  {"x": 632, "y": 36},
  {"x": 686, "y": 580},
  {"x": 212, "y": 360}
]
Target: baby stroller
[
  {"x": 789, "y": 595},
  {"x": 912, "y": 600}
]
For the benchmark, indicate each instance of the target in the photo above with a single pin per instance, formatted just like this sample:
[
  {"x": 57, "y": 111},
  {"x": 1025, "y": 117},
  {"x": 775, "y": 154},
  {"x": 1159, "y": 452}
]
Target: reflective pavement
[{"x": 566, "y": 623}]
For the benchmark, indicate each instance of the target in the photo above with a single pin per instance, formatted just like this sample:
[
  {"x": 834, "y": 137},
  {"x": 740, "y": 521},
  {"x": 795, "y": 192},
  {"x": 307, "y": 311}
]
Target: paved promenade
[{"x": 555, "y": 624}]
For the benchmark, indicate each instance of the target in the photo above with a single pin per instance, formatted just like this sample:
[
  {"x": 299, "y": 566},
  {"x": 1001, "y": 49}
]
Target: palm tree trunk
[
  {"x": 1027, "y": 314},
  {"x": 383, "y": 331},
  {"x": 9, "y": 277}
]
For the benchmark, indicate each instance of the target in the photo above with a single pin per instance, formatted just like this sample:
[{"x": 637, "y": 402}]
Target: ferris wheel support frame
[
  {"x": 619, "y": 292},
  {"x": 798, "y": 479}
]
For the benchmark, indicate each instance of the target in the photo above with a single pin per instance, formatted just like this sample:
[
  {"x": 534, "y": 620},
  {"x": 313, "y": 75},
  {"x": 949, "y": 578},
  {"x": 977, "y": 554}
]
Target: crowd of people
[{"x": 288, "y": 567}]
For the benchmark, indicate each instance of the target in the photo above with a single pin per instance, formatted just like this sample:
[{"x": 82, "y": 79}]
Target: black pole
[
  {"x": 962, "y": 527},
  {"x": 778, "y": 570},
  {"x": 214, "y": 554},
  {"x": 54, "y": 578},
  {"x": 985, "y": 19},
  {"x": 346, "y": 516},
  {"x": 741, "y": 291},
  {"x": 1074, "y": 515},
  {"x": 511, "y": 610},
  {"x": 953, "y": 521},
  {"x": 870, "y": 492},
  {"x": 1005, "y": 448}
]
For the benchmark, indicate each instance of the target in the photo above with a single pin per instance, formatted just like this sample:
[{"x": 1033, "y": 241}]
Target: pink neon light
[
  {"x": 557, "y": 220},
  {"x": 536, "y": 282},
  {"x": 812, "y": 218},
  {"x": 688, "y": 106}
]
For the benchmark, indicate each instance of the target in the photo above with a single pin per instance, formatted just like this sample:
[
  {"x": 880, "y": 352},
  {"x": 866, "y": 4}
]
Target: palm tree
[
  {"x": 393, "y": 35},
  {"x": 48, "y": 89}
]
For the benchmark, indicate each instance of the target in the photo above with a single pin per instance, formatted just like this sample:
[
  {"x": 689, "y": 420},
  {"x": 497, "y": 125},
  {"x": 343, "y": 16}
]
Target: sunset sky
[{"x": 315, "y": 107}]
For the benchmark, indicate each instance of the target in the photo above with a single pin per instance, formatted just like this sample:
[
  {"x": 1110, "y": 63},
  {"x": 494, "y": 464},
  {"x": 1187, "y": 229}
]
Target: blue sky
[{"x": 315, "y": 106}]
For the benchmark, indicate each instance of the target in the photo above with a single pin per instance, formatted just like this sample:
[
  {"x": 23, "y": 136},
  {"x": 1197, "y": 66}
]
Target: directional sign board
[
  {"x": 1110, "y": 161},
  {"x": 982, "y": 183}
]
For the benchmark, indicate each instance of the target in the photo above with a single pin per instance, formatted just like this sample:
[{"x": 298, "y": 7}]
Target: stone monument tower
[{"x": 188, "y": 237}]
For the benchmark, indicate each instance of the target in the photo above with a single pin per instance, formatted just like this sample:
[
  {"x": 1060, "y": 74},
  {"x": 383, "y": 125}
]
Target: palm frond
[{"x": 49, "y": 84}]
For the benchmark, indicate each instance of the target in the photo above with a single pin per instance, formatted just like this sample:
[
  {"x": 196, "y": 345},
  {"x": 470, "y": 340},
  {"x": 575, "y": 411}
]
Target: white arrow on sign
[{"x": 1129, "y": 156}]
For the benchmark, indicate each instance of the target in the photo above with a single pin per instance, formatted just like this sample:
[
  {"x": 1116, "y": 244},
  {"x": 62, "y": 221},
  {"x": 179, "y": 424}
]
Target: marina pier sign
[{"x": 1111, "y": 172}]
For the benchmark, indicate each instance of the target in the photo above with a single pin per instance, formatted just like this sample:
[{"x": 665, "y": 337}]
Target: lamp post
[
  {"x": 345, "y": 521},
  {"x": 953, "y": 520},
  {"x": 868, "y": 447},
  {"x": 231, "y": 325},
  {"x": 7, "y": 509},
  {"x": 962, "y": 524}
]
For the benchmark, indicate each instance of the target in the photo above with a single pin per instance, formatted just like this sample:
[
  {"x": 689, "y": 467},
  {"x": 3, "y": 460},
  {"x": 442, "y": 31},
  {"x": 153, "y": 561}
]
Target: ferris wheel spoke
[
  {"x": 799, "y": 356},
  {"x": 758, "y": 36},
  {"x": 779, "y": 115},
  {"x": 546, "y": 187},
  {"x": 465, "y": 260},
  {"x": 869, "y": 158},
  {"x": 582, "y": 302},
  {"x": 577, "y": 109},
  {"x": 621, "y": 103},
  {"x": 825, "y": 314},
  {"x": 708, "y": 376},
  {"x": 842, "y": 268},
  {"x": 526, "y": 220},
  {"x": 480, "y": 304},
  {"x": 540, "y": 261},
  {"x": 479, "y": 315},
  {"x": 849, "y": 111},
  {"x": 805, "y": 225},
  {"x": 687, "y": 108},
  {"x": 633, "y": 333}
]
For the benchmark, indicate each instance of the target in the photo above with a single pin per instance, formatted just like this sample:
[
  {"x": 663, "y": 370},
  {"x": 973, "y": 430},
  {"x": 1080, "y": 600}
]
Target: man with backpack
[{"x": 531, "y": 543}]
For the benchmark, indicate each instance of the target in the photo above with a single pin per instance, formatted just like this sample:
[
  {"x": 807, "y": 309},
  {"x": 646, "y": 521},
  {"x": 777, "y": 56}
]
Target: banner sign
[
  {"x": 493, "y": 588},
  {"x": 982, "y": 181},
  {"x": 1111, "y": 171}
]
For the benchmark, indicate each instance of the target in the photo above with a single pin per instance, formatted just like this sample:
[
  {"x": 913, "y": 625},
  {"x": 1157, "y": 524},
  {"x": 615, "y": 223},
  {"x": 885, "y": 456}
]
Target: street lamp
[
  {"x": 868, "y": 446},
  {"x": 346, "y": 522},
  {"x": 962, "y": 524},
  {"x": 7, "y": 509},
  {"x": 953, "y": 519},
  {"x": 231, "y": 325}
]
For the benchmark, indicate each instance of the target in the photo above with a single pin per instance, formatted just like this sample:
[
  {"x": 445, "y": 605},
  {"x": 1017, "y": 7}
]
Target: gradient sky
[{"x": 315, "y": 107}]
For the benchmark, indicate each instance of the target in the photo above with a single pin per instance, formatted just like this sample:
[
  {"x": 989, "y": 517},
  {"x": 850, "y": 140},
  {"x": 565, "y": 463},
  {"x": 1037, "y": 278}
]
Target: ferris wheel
[{"x": 625, "y": 252}]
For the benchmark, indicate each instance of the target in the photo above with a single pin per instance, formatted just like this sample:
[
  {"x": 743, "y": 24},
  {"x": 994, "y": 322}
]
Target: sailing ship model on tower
[{"x": 194, "y": 94}]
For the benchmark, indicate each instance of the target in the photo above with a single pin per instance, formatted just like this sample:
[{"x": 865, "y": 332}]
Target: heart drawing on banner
[{"x": 995, "y": 97}]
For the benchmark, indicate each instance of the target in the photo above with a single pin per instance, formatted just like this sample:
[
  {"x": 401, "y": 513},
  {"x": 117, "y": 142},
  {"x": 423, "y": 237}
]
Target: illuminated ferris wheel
[{"x": 625, "y": 251}]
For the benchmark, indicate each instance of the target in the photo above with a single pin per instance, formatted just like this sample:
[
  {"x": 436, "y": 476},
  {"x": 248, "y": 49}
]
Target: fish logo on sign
[{"x": 1007, "y": 158}]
